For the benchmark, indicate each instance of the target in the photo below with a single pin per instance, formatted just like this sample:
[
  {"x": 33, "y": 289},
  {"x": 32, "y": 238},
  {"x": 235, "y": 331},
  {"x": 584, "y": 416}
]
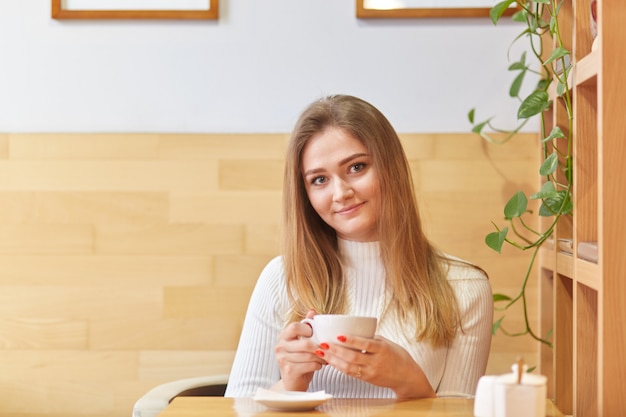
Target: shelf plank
[
  {"x": 588, "y": 274},
  {"x": 563, "y": 343},
  {"x": 586, "y": 70},
  {"x": 586, "y": 350},
  {"x": 565, "y": 265},
  {"x": 611, "y": 304}
]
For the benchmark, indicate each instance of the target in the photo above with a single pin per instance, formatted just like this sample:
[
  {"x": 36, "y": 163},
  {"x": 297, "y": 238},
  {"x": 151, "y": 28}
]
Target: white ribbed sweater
[{"x": 454, "y": 370}]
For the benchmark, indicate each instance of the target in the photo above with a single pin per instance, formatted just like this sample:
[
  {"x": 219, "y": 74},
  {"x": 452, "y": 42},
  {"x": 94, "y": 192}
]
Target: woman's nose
[{"x": 342, "y": 190}]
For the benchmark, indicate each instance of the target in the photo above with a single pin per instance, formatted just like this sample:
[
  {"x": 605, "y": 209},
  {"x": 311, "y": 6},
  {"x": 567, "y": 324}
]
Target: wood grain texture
[
  {"x": 127, "y": 260},
  {"x": 338, "y": 407}
]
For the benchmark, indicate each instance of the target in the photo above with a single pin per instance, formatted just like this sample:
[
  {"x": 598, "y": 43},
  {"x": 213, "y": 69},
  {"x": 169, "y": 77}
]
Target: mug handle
[{"x": 311, "y": 324}]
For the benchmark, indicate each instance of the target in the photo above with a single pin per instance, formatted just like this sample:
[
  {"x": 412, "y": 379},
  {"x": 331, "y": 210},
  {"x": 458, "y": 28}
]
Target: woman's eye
[
  {"x": 358, "y": 167},
  {"x": 318, "y": 180}
]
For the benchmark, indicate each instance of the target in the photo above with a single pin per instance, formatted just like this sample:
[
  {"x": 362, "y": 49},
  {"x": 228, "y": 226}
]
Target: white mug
[{"x": 326, "y": 327}]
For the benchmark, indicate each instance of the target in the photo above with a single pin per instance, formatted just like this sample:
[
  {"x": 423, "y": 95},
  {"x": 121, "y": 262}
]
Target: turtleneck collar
[{"x": 359, "y": 254}]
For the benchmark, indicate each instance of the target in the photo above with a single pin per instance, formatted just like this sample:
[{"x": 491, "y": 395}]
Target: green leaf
[
  {"x": 552, "y": 24},
  {"x": 520, "y": 65},
  {"x": 558, "y": 7},
  {"x": 516, "y": 206},
  {"x": 566, "y": 198},
  {"x": 549, "y": 165},
  {"x": 517, "y": 84},
  {"x": 501, "y": 297},
  {"x": 552, "y": 206},
  {"x": 480, "y": 126},
  {"x": 470, "y": 116},
  {"x": 535, "y": 103},
  {"x": 496, "y": 325},
  {"x": 558, "y": 52},
  {"x": 545, "y": 211},
  {"x": 543, "y": 84},
  {"x": 497, "y": 11},
  {"x": 556, "y": 133},
  {"x": 560, "y": 88},
  {"x": 495, "y": 240},
  {"x": 520, "y": 16},
  {"x": 547, "y": 191}
]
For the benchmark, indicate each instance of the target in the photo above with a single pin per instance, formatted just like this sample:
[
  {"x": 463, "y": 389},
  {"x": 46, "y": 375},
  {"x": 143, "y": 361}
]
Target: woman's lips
[{"x": 350, "y": 210}]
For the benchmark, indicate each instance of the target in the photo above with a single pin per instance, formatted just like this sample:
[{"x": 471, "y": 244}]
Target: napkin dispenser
[{"x": 511, "y": 395}]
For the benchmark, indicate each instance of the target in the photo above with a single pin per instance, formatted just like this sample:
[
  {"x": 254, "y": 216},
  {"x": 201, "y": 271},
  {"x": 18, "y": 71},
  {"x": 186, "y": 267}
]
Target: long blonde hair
[{"x": 415, "y": 270}]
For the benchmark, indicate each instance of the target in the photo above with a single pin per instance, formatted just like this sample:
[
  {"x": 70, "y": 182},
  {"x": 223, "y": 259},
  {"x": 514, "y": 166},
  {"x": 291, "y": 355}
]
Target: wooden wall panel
[
  {"x": 46, "y": 239},
  {"x": 226, "y": 207},
  {"x": 128, "y": 259},
  {"x": 168, "y": 239},
  {"x": 54, "y": 207},
  {"x": 61, "y": 146},
  {"x": 94, "y": 175},
  {"x": 220, "y": 147},
  {"x": 250, "y": 175},
  {"x": 4, "y": 145},
  {"x": 262, "y": 239},
  {"x": 105, "y": 271}
]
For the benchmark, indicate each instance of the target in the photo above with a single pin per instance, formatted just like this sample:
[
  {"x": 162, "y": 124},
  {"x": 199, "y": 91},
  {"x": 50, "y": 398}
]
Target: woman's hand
[
  {"x": 297, "y": 357},
  {"x": 380, "y": 362}
]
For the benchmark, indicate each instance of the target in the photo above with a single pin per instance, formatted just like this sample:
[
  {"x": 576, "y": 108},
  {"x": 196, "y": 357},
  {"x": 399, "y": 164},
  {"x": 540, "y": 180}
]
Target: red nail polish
[
  {"x": 324, "y": 346},
  {"x": 319, "y": 353},
  {"x": 341, "y": 338}
]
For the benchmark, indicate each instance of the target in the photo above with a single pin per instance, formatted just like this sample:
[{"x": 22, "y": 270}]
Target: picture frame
[
  {"x": 135, "y": 9},
  {"x": 403, "y": 9}
]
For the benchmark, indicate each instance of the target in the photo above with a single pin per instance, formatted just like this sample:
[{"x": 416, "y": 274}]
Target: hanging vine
[{"x": 540, "y": 27}]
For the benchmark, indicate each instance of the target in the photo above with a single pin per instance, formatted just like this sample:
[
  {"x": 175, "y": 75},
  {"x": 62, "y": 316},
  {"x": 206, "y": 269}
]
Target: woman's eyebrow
[
  {"x": 313, "y": 171},
  {"x": 351, "y": 157},
  {"x": 342, "y": 162}
]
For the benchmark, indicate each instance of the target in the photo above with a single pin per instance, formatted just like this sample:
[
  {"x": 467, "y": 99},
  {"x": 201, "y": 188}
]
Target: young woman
[{"x": 354, "y": 244}]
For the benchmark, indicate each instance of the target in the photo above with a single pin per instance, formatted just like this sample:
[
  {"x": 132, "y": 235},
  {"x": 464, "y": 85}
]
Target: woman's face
[{"x": 342, "y": 184}]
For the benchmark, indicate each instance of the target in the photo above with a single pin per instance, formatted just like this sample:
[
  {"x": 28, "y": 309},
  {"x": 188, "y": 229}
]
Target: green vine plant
[{"x": 540, "y": 27}]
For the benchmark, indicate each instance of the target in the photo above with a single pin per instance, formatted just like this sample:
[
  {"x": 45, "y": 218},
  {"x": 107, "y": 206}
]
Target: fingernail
[
  {"x": 324, "y": 346},
  {"x": 341, "y": 338},
  {"x": 319, "y": 353}
]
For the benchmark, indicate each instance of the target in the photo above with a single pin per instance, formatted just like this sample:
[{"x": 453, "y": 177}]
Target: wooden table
[{"x": 336, "y": 407}]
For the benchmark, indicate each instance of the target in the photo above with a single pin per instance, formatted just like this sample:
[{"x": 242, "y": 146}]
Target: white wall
[{"x": 251, "y": 71}]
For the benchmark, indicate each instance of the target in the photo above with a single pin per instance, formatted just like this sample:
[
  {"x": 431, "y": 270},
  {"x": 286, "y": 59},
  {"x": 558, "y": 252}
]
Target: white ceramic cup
[{"x": 326, "y": 327}]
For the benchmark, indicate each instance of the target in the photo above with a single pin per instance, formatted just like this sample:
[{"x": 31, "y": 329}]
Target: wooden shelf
[
  {"x": 588, "y": 274},
  {"x": 584, "y": 293},
  {"x": 584, "y": 73},
  {"x": 565, "y": 265},
  {"x": 586, "y": 70}
]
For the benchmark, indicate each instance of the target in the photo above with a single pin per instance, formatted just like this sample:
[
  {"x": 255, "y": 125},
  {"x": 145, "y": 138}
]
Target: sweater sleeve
[
  {"x": 255, "y": 363},
  {"x": 466, "y": 359}
]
